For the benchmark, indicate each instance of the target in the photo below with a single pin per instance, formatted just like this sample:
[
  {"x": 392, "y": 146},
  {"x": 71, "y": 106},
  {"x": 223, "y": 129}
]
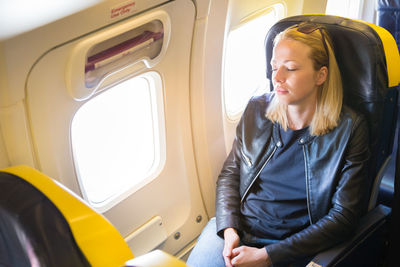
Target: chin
[{"x": 283, "y": 99}]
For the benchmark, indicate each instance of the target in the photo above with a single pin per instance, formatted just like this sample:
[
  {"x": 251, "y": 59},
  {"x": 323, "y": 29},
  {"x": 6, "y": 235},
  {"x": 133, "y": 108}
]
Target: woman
[{"x": 294, "y": 180}]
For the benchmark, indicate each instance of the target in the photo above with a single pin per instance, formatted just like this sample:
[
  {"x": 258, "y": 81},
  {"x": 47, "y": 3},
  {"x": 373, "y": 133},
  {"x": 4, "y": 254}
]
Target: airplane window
[
  {"x": 115, "y": 140},
  {"x": 244, "y": 64},
  {"x": 345, "y": 8}
]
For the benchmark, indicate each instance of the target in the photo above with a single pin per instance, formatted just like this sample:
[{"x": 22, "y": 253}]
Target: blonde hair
[{"x": 330, "y": 95}]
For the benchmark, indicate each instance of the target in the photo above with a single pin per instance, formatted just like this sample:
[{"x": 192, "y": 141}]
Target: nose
[{"x": 277, "y": 76}]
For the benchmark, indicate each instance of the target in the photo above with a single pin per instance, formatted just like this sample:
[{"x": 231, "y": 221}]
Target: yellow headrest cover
[{"x": 391, "y": 54}]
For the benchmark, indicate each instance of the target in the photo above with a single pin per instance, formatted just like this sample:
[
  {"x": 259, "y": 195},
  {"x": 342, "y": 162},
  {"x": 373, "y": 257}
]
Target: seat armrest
[
  {"x": 155, "y": 258},
  {"x": 369, "y": 224}
]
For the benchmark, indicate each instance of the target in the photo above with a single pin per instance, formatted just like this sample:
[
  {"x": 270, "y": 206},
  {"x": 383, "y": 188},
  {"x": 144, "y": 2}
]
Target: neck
[{"x": 299, "y": 118}]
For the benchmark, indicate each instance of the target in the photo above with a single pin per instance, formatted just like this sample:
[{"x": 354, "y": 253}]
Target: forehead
[{"x": 290, "y": 50}]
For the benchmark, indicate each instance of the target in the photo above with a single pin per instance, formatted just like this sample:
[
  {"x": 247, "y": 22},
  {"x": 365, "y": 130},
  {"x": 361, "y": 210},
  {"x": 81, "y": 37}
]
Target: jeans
[{"x": 209, "y": 247}]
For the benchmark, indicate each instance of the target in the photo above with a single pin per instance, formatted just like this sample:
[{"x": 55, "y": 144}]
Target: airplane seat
[
  {"x": 388, "y": 17},
  {"x": 368, "y": 59},
  {"x": 388, "y": 14},
  {"x": 42, "y": 223},
  {"x": 30, "y": 225}
]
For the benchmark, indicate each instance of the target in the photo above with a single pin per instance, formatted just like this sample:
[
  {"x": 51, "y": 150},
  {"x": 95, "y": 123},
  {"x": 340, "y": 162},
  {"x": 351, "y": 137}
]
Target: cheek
[
  {"x": 302, "y": 79},
  {"x": 304, "y": 83}
]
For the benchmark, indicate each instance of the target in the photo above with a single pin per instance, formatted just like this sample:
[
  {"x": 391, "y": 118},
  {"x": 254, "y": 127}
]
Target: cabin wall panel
[
  {"x": 4, "y": 161},
  {"x": 314, "y": 7},
  {"x": 15, "y": 135},
  {"x": 206, "y": 102},
  {"x": 174, "y": 194},
  {"x": 23, "y": 49}
]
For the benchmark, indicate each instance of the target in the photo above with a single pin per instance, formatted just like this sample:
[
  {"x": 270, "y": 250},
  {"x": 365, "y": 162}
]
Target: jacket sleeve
[
  {"x": 228, "y": 196},
  {"x": 228, "y": 183},
  {"x": 343, "y": 216}
]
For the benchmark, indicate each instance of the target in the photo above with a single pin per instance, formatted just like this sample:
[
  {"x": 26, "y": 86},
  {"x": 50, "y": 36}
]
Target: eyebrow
[{"x": 286, "y": 61}]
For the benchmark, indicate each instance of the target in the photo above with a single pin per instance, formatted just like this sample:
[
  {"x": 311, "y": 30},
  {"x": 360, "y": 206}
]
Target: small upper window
[
  {"x": 245, "y": 63},
  {"x": 117, "y": 140},
  {"x": 345, "y": 8}
]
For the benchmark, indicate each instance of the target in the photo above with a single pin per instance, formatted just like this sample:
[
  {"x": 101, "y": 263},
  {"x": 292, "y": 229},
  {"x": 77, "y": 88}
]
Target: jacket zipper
[
  {"x": 307, "y": 189},
  {"x": 258, "y": 173},
  {"x": 246, "y": 158}
]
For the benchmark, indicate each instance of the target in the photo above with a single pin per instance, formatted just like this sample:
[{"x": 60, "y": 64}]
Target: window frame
[
  {"x": 279, "y": 11},
  {"x": 157, "y": 105}
]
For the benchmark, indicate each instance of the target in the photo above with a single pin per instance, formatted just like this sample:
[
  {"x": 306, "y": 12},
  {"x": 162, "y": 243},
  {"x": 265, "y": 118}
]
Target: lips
[{"x": 280, "y": 90}]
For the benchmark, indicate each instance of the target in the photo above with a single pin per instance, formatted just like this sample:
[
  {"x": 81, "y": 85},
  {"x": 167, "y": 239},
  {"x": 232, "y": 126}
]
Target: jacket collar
[{"x": 306, "y": 139}]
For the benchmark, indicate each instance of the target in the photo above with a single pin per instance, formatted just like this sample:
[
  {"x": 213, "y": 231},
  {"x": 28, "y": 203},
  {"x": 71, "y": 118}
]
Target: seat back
[
  {"x": 389, "y": 17},
  {"x": 43, "y": 222},
  {"x": 33, "y": 229},
  {"x": 388, "y": 14},
  {"x": 369, "y": 75}
]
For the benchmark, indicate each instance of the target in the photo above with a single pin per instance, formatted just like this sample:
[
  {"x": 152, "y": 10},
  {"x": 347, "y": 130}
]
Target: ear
[{"x": 322, "y": 75}]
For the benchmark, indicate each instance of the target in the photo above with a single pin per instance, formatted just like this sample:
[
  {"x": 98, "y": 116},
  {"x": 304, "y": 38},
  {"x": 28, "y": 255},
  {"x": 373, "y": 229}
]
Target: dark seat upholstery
[
  {"x": 389, "y": 17},
  {"x": 33, "y": 229},
  {"x": 43, "y": 223},
  {"x": 369, "y": 80}
]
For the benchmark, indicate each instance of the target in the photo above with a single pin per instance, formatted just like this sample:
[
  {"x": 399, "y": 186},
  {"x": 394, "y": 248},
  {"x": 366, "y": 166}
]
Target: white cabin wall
[
  {"x": 3, "y": 74},
  {"x": 4, "y": 161},
  {"x": 369, "y": 11},
  {"x": 314, "y": 7},
  {"x": 205, "y": 93},
  {"x": 22, "y": 47}
]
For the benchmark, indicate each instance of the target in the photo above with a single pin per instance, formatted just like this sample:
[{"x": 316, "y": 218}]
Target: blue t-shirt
[{"x": 276, "y": 206}]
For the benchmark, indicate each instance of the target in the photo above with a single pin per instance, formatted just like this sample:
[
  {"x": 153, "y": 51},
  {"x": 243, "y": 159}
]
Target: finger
[
  {"x": 228, "y": 262},
  {"x": 235, "y": 260},
  {"x": 227, "y": 252},
  {"x": 236, "y": 251}
]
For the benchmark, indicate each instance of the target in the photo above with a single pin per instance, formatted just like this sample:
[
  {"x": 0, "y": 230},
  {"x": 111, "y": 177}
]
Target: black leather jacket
[{"x": 335, "y": 173}]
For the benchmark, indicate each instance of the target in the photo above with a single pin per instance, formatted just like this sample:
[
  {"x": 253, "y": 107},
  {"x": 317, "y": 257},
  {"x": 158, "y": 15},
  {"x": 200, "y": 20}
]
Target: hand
[
  {"x": 231, "y": 241},
  {"x": 251, "y": 257}
]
